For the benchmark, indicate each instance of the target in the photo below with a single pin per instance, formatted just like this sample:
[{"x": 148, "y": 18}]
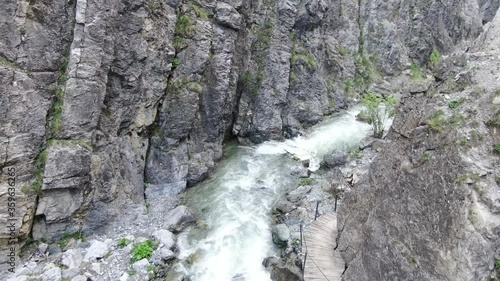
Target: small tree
[{"x": 378, "y": 110}]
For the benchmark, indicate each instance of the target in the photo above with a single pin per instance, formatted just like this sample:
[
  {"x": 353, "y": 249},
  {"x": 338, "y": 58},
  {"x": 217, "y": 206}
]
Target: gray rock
[
  {"x": 227, "y": 16},
  {"x": 335, "y": 159},
  {"x": 284, "y": 206},
  {"x": 306, "y": 163},
  {"x": 53, "y": 274},
  {"x": 72, "y": 258},
  {"x": 165, "y": 237},
  {"x": 179, "y": 218},
  {"x": 286, "y": 273},
  {"x": 166, "y": 254},
  {"x": 70, "y": 273},
  {"x": 141, "y": 266},
  {"x": 300, "y": 172},
  {"x": 42, "y": 247},
  {"x": 19, "y": 278},
  {"x": 281, "y": 235},
  {"x": 366, "y": 142},
  {"x": 79, "y": 278},
  {"x": 270, "y": 262},
  {"x": 164, "y": 190},
  {"x": 96, "y": 250},
  {"x": 299, "y": 193}
]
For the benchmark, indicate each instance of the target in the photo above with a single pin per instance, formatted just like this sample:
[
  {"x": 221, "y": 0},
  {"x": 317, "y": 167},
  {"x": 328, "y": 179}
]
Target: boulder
[
  {"x": 141, "y": 266},
  {"x": 53, "y": 274},
  {"x": 165, "y": 237},
  {"x": 72, "y": 258},
  {"x": 286, "y": 273},
  {"x": 281, "y": 235},
  {"x": 299, "y": 193},
  {"x": 334, "y": 159},
  {"x": 179, "y": 218},
  {"x": 226, "y": 15},
  {"x": 96, "y": 250}
]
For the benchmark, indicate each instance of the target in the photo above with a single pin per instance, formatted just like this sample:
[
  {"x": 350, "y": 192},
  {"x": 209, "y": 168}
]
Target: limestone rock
[
  {"x": 179, "y": 218},
  {"x": 281, "y": 235},
  {"x": 165, "y": 237},
  {"x": 72, "y": 258},
  {"x": 96, "y": 250}
]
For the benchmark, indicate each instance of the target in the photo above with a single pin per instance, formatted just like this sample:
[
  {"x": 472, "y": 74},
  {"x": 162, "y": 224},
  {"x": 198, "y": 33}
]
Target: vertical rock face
[
  {"x": 100, "y": 97},
  {"x": 429, "y": 209}
]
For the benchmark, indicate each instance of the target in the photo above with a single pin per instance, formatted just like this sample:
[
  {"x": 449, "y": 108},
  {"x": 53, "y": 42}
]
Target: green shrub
[
  {"x": 195, "y": 87},
  {"x": 495, "y": 120},
  {"x": 496, "y": 148},
  {"x": 454, "y": 104},
  {"x": 142, "y": 250},
  {"x": 123, "y": 242},
  {"x": 183, "y": 26},
  {"x": 200, "y": 12},
  {"x": 309, "y": 61},
  {"x": 416, "y": 74},
  {"x": 434, "y": 57},
  {"x": 378, "y": 110},
  {"x": 63, "y": 242},
  {"x": 437, "y": 122},
  {"x": 306, "y": 181},
  {"x": 497, "y": 265},
  {"x": 175, "y": 63}
]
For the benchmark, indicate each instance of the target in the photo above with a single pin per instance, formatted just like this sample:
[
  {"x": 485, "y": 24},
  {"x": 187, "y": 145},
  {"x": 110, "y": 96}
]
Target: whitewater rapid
[{"x": 234, "y": 205}]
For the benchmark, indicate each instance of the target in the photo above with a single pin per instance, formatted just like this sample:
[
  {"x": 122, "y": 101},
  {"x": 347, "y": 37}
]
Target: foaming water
[{"x": 234, "y": 205}]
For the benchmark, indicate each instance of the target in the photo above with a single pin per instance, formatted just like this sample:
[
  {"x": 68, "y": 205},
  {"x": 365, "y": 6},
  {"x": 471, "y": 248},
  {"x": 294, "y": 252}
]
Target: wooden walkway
[{"x": 322, "y": 263}]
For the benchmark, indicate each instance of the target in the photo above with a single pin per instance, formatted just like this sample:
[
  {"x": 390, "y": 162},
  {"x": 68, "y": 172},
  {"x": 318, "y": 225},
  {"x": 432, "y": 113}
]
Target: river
[{"x": 234, "y": 205}]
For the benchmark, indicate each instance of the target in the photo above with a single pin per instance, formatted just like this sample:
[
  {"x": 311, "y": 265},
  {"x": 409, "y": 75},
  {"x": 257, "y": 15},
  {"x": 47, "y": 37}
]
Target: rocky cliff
[
  {"x": 429, "y": 207},
  {"x": 101, "y": 98}
]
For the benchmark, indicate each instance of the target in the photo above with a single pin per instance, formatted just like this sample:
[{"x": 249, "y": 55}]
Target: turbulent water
[{"x": 234, "y": 205}]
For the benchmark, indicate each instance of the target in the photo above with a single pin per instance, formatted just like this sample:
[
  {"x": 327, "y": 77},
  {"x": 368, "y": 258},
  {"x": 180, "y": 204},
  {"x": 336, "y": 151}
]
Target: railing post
[
  {"x": 316, "y": 214},
  {"x": 301, "y": 237},
  {"x": 304, "y": 266}
]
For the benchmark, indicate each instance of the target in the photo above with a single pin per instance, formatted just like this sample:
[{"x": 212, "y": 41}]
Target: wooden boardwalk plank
[{"x": 323, "y": 262}]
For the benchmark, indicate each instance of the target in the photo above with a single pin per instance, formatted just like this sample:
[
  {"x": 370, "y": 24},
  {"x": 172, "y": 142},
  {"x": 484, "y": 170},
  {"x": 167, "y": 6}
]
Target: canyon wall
[{"x": 101, "y": 98}]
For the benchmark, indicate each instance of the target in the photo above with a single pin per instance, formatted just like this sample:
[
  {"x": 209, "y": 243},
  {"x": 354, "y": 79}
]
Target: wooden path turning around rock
[{"x": 322, "y": 262}]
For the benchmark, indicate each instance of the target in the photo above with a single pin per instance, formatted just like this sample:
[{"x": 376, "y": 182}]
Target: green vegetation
[
  {"x": 152, "y": 6},
  {"x": 192, "y": 258},
  {"x": 4, "y": 62},
  {"x": 416, "y": 74},
  {"x": 497, "y": 265},
  {"x": 437, "y": 122},
  {"x": 378, "y": 110},
  {"x": 175, "y": 63},
  {"x": 496, "y": 148},
  {"x": 123, "y": 242},
  {"x": 63, "y": 242},
  {"x": 461, "y": 179},
  {"x": 306, "y": 181},
  {"x": 300, "y": 58},
  {"x": 199, "y": 11},
  {"x": 142, "y": 250},
  {"x": 454, "y": 104},
  {"x": 36, "y": 186},
  {"x": 497, "y": 179},
  {"x": 194, "y": 86},
  {"x": 424, "y": 157},
  {"x": 434, "y": 57},
  {"x": 495, "y": 120},
  {"x": 365, "y": 74},
  {"x": 183, "y": 26}
]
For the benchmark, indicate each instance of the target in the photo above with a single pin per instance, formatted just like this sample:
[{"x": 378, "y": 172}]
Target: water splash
[{"x": 235, "y": 203}]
